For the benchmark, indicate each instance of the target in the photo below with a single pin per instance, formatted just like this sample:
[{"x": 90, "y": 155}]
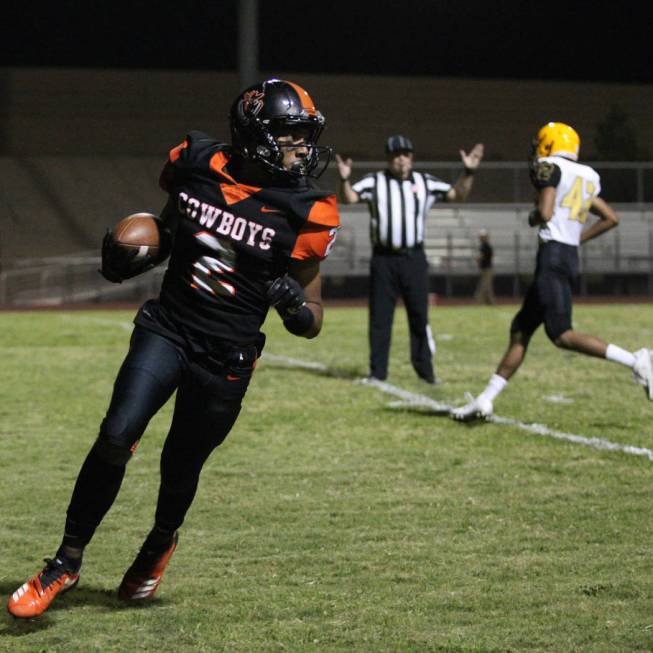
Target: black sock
[
  {"x": 71, "y": 564},
  {"x": 158, "y": 540}
]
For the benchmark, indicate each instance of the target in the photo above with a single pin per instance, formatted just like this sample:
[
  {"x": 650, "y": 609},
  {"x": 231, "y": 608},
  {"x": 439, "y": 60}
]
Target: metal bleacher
[{"x": 452, "y": 238}]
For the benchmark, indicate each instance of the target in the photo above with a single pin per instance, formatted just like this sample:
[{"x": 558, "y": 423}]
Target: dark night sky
[{"x": 497, "y": 39}]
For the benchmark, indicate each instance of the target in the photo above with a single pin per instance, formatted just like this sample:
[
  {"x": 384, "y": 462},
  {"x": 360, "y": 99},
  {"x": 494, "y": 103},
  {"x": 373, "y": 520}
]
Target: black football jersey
[{"x": 230, "y": 240}]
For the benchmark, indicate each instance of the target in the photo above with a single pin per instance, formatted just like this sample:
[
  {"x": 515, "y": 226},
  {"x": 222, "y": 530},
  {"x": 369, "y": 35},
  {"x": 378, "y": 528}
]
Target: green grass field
[{"x": 332, "y": 521}]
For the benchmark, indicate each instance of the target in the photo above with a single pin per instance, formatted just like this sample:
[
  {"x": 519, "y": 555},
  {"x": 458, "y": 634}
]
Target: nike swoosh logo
[
  {"x": 231, "y": 377},
  {"x": 265, "y": 209}
]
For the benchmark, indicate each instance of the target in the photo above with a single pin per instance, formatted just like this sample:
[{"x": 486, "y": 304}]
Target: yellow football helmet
[{"x": 558, "y": 138}]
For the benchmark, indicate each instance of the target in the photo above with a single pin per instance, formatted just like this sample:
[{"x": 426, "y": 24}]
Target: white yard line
[
  {"x": 294, "y": 362},
  {"x": 558, "y": 399},
  {"x": 412, "y": 399},
  {"x": 125, "y": 326}
]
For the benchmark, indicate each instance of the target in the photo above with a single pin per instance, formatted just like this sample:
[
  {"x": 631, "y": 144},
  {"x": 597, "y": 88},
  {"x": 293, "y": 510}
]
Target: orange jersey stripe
[
  {"x": 218, "y": 162},
  {"x": 233, "y": 192},
  {"x": 313, "y": 242},
  {"x": 325, "y": 212},
  {"x": 175, "y": 152}
]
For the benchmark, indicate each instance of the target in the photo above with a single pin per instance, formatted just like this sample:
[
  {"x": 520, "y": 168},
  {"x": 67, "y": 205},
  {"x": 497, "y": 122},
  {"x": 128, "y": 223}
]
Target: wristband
[
  {"x": 343, "y": 180},
  {"x": 469, "y": 171},
  {"x": 299, "y": 323}
]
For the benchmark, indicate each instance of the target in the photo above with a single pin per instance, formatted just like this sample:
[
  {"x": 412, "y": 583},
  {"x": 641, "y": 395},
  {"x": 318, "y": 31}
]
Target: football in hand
[{"x": 141, "y": 232}]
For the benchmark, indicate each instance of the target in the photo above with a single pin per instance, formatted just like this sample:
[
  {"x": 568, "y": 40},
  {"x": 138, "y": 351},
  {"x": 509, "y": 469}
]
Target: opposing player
[
  {"x": 247, "y": 231},
  {"x": 567, "y": 192}
]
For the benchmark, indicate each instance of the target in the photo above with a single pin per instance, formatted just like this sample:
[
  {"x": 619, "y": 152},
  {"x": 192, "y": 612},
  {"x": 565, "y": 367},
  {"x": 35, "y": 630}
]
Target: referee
[{"x": 399, "y": 199}]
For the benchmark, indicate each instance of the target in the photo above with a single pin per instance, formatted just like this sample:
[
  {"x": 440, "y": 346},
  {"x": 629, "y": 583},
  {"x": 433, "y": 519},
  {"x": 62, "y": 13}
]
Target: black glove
[
  {"x": 120, "y": 263},
  {"x": 286, "y": 295},
  {"x": 534, "y": 218}
]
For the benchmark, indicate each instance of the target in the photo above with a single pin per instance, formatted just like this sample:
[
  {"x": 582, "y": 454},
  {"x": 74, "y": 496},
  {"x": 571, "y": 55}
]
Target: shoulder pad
[
  {"x": 197, "y": 149},
  {"x": 192, "y": 156},
  {"x": 545, "y": 173},
  {"x": 315, "y": 206},
  {"x": 325, "y": 212}
]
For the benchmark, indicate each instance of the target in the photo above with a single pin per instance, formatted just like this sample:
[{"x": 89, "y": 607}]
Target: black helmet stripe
[{"x": 398, "y": 143}]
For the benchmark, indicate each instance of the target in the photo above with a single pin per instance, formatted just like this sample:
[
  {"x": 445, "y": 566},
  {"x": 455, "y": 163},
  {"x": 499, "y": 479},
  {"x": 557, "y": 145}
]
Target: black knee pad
[
  {"x": 114, "y": 454},
  {"x": 122, "y": 429},
  {"x": 117, "y": 426}
]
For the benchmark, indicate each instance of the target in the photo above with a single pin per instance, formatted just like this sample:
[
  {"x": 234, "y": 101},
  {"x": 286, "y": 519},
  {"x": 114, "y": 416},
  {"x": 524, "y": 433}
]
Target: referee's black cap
[{"x": 398, "y": 143}]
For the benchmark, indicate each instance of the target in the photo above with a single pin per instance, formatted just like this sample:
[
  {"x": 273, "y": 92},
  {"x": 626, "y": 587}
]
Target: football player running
[
  {"x": 567, "y": 192},
  {"x": 247, "y": 230}
]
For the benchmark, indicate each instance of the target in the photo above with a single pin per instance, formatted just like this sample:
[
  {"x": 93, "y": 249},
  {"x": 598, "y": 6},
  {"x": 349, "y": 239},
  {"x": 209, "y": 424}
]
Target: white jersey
[{"x": 578, "y": 186}]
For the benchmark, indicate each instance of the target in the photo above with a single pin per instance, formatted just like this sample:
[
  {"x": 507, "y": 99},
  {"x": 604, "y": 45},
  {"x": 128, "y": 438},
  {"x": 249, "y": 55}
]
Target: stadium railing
[{"x": 451, "y": 242}]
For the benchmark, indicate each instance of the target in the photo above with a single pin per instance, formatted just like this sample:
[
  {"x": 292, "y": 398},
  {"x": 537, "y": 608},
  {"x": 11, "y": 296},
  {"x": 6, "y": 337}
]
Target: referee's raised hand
[
  {"x": 344, "y": 167},
  {"x": 472, "y": 160}
]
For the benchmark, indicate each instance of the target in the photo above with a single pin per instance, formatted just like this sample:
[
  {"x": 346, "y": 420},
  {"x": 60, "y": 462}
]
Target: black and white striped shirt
[{"x": 398, "y": 208}]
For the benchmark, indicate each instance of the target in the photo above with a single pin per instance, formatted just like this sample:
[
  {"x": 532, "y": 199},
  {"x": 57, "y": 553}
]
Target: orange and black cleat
[
  {"x": 144, "y": 576},
  {"x": 33, "y": 598}
]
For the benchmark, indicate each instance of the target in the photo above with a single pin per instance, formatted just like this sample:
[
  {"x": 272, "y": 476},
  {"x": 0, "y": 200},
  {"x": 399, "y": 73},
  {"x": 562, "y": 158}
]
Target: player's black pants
[
  {"x": 549, "y": 298},
  {"x": 209, "y": 394},
  {"x": 402, "y": 275}
]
